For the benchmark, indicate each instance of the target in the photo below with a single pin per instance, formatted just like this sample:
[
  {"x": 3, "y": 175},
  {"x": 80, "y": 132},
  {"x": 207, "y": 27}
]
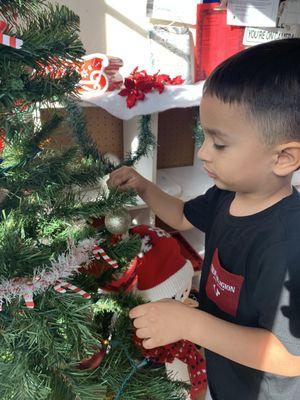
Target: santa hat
[{"x": 162, "y": 271}]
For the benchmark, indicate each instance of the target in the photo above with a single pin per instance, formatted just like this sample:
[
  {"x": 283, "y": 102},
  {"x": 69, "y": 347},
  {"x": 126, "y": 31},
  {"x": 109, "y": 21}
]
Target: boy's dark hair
[{"x": 265, "y": 79}]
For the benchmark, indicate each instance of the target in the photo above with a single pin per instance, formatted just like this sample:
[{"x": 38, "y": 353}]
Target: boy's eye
[{"x": 219, "y": 146}]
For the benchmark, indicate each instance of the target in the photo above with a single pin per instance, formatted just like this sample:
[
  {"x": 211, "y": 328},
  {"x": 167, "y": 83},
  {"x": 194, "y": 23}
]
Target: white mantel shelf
[
  {"x": 174, "y": 96},
  {"x": 172, "y": 181}
]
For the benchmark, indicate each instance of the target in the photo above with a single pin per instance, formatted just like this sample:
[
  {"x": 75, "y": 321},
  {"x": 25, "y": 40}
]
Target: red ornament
[
  {"x": 93, "y": 78},
  {"x": 2, "y": 138},
  {"x": 126, "y": 281},
  {"x": 139, "y": 82},
  {"x": 94, "y": 361},
  {"x": 99, "y": 73}
]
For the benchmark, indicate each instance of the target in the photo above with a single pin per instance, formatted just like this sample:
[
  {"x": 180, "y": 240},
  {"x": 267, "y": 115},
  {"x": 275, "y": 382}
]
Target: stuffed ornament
[{"x": 162, "y": 272}]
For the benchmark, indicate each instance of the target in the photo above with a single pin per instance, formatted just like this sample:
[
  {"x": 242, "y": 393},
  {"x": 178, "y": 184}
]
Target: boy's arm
[
  {"x": 168, "y": 208},
  {"x": 168, "y": 321},
  {"x": 253, "y": 347}
]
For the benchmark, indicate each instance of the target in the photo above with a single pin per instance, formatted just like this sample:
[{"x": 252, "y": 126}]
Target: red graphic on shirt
[{"x": 223, "y": 287}]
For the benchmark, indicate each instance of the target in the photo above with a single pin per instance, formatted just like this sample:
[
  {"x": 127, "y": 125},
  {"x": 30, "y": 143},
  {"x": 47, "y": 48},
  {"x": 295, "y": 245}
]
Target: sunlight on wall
[
  {"x": 114, "y": 27},
  {"x": 134, "y": 145}
]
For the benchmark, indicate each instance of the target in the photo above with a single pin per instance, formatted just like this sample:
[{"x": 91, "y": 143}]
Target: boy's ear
[{"x": 287, "y": 158}]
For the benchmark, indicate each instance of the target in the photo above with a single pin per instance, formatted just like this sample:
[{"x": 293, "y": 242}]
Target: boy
[{"x": 249, "y": 314}]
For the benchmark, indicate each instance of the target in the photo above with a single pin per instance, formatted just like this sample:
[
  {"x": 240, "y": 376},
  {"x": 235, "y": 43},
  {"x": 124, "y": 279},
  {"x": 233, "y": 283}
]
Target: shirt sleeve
[
  {"x": 199, "y": 211},
  {"x": 276, "y": 294}
]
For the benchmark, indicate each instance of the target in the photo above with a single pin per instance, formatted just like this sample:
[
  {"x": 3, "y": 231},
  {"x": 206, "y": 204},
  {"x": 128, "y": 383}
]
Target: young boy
[{"x": 249, "y": 315}]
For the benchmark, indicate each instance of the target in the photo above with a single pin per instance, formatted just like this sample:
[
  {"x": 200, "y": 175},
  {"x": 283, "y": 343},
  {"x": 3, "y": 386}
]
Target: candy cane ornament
[
  {"x": 9, "y": 40},
  {"x": 100, "y": 252},
  {"x": 61, "y": 285},
  {"x": 58, "y": 288},
  {"x": 28, "y": 297}
]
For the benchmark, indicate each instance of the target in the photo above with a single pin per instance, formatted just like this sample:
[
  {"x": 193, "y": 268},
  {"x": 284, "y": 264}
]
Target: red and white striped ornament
[
  {"x": 9, "y": 40},
  {"x": 28, "y": 297},
  {"x": 60, "y": 288},
  {"x": 63, "y": 268},
  {"x": 100, "y": 252}
]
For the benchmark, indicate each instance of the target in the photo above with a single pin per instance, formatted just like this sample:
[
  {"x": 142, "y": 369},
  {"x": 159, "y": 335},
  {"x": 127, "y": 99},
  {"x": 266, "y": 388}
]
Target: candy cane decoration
[
  {"x": 28, "y": 297},
  {"x": 64, "y": 267},
  {"x": 9, "y": 40},
  {"x": 100, "y": 252},
  {"x": 59, "y": 289},
  {"x": 61, "y": 285}
]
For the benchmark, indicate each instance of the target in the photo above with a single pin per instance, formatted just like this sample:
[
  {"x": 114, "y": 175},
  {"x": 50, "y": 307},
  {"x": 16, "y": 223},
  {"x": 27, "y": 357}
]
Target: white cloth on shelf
[{"x": 174, "y": 96}]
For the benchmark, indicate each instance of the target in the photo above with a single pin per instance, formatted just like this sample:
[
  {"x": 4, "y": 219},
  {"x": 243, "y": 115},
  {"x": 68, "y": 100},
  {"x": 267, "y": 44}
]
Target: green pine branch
[
  {"x": 123, "y": 358},
  {"x": 45, "y": 203}
]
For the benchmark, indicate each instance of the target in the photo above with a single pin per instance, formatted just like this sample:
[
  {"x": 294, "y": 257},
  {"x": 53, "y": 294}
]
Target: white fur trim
[{"x": 171, "y": 286}]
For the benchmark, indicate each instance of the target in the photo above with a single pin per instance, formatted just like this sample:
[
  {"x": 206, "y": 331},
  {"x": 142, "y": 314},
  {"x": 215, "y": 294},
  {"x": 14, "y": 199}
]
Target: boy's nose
[{"x": 203, "y": 152}]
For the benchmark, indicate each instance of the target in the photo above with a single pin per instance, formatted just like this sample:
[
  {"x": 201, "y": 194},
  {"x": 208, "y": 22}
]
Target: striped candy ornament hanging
[
  {"x": 100, "y": 252},
  {"x": 64, "y": 267},
  {"x": 9, "y": 40},
  {"x": 28, "y": 297},
  {"x": 60, "y": 288}
]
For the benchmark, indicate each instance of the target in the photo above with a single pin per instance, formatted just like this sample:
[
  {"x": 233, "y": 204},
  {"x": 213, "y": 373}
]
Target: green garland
[{"x": 198, "y": 131}]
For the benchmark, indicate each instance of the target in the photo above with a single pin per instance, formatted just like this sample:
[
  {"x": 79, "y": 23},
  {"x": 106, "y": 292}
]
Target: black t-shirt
[{"x": 250, "y": 277}]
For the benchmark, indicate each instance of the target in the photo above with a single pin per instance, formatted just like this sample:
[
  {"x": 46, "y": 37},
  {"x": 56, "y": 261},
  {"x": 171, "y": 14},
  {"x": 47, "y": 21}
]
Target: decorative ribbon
[{"x": 186, "y": 352}]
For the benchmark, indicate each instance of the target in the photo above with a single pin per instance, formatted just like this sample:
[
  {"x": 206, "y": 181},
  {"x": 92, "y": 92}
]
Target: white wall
[{"x": 114, "y": 27}]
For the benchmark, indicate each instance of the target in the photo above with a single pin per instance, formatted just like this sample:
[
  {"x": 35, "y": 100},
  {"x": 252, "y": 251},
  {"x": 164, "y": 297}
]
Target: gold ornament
[{"x": 118, "y": 222}]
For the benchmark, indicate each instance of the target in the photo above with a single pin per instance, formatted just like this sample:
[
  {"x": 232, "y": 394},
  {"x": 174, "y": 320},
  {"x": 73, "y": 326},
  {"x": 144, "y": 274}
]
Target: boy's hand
[
  {"x": 126, "y": 178},
  {"x": 160, "y": 322}
]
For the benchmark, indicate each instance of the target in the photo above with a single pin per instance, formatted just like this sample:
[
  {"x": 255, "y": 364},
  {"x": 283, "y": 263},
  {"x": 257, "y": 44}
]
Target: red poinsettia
[{"x": 139, "y": 82}]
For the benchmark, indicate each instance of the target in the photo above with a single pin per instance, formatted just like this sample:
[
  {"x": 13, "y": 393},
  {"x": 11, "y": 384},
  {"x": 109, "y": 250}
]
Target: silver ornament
[{"x": 118, "y": 222}]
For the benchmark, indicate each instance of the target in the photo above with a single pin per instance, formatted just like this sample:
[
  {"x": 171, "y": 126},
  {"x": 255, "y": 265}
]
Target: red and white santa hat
[{"x": 162, "y": 271}]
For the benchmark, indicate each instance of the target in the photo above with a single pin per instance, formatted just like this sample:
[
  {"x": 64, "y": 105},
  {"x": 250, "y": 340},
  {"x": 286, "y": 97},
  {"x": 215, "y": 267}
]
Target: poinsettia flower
[
  {"x": 124, "y": 92},
  {"x": 163, "y": 78},
  {"x": 131, "y": 100},
  {"x": 140, "y": 96},
  {"x": 159, "y": 86},
  {"x": 144, "y": 85},
  {"x": 133, "y": 97},
  {"x": 177, "y": 80},
  {"x": 139, "y": 82},
  {"x": 129, "y": 83}
]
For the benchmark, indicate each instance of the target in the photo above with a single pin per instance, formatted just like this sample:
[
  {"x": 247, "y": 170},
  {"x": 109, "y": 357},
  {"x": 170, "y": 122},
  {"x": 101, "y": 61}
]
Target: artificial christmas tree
[{"x": 60, "y": 338}]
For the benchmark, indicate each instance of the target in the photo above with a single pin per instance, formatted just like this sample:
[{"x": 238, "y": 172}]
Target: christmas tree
[{"x": 61, "y": 338}]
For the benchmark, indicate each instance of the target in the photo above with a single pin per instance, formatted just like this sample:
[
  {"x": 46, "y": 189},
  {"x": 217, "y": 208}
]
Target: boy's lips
[{"x": 211, "y": 174}]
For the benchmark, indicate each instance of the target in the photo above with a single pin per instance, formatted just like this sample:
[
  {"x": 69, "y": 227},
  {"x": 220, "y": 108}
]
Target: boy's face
[{"x": 233, "y": 153}]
